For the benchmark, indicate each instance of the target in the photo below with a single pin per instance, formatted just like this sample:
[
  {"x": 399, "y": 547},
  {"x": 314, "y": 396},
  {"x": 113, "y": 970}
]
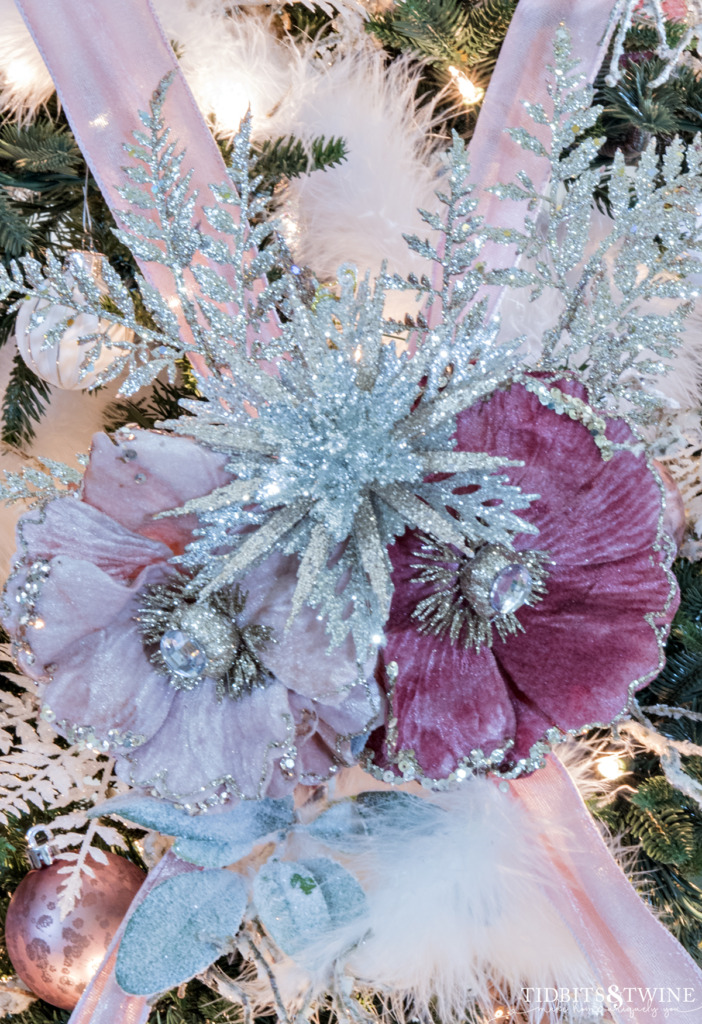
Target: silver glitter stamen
[
  {"x": 189, "y": 641},
  {"x": 474, "y": 596}
]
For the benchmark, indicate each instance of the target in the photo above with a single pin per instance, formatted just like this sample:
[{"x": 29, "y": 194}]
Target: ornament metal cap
[{"x": 40, "y": 855}]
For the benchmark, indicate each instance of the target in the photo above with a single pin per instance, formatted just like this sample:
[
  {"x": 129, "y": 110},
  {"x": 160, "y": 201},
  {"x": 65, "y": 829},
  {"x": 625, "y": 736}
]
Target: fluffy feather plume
[
  {"x": 25, "y": 83},
  {"x": 457, "y": 912},
  {"x": 233, "y": 63},
  {"x": 359, "y": 210}
]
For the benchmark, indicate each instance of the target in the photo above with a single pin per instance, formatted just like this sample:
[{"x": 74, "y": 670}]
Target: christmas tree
[{"x": 347, "y": 132}]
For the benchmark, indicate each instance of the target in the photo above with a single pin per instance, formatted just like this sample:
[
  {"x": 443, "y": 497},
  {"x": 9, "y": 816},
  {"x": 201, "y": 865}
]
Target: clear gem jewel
[
  {"x": 510, "y": 589},
  {"x": 182, "y": 654}
]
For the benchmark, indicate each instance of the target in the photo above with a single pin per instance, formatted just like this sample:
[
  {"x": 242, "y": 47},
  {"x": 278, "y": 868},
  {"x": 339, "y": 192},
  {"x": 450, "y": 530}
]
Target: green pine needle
[
  {"x": 40, "y": 148},
  {"x": 642, "y": 37},
  {"x": 288, "y": 157},
  {"x": 674, "y": 108},
  {"x": 446, "y": 32},
  {"x": 24, "y": 403},
  {"x": 17, "y": 234}
]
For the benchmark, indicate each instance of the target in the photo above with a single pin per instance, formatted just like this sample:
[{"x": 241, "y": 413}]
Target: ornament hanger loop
[{"x": 40, "y": 854}]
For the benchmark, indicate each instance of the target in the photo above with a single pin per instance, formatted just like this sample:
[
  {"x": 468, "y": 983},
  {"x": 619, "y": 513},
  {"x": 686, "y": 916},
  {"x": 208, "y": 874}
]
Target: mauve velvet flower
[
  {"x": 599, "y": 628},
  {"x": 104, "y": 548}
]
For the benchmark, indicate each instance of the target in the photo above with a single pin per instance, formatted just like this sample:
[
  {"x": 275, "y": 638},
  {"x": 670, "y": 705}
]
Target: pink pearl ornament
[{"x": 57, "y": 958}]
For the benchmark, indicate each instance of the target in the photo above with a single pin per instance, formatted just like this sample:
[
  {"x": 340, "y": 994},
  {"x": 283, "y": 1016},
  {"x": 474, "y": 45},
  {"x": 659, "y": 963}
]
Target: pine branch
[
  {"x": 446, "y": 32},
  {"x": 161, "y": 404},
  {"x": 642, "y": 37},
  {"x": 665, "y": 111},
  {"x": 17, "y": 235},
  {"x": 40, "y": 148},
  {"x": 288, "y": 157},
  {"x": 306, "y": 21},
  {"x": 24, "y": 403}
]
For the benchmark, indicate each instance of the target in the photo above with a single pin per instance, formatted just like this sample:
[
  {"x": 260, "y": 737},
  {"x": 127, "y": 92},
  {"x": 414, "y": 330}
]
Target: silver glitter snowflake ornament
[{"x": 350, "y": 445}]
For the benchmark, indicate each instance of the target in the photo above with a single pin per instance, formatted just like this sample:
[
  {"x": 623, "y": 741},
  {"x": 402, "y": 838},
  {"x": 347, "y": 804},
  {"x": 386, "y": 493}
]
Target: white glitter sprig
[
  {"x": 205, "y": 311},
  {"x": 620, "y": 299}
]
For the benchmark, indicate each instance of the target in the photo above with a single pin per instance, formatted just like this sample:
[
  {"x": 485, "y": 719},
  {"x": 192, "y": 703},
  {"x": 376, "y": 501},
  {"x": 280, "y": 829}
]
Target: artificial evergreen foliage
[
  {"x": 307, "y": 21},
  {"x": 24, "y": 402},
  {"x": 674, "y": 108},
  {"x": 663, "y": 826},
  {"x": 642, "y": 36},
  {"x": 289, "y": 157},
  {"x": 462, "y": 33}
]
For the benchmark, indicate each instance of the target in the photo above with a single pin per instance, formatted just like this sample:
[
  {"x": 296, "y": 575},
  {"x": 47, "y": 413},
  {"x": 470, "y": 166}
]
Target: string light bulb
[
  {"x": 19, "y": 73},
  {"x": 611, "y": 767},
  {"x": 470, "y": 92}
]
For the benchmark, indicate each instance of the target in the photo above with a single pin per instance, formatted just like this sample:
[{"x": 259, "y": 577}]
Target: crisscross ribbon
[{"x": 106, "y": 59}]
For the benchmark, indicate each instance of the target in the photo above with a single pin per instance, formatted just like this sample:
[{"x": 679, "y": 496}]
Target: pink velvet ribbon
[
  {"x": 106, "y": 59},
  {"x": 643, "y": 972},
  {"x": 520, "y": 75},
  {"x": 103, "y": 1001}
]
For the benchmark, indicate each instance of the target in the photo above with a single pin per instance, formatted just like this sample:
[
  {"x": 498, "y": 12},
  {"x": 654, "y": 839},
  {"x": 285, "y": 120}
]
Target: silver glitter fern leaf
[{"x": 621, "y": 300}]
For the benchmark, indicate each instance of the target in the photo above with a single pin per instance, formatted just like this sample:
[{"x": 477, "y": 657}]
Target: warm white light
[
  {"x": 19, "y": 73},
  {"x": 230, "y": 101},
  {"x": 470, "y": 92},
  {"x": 358, "y": 353},
  {"x": 611, "y": 767}
]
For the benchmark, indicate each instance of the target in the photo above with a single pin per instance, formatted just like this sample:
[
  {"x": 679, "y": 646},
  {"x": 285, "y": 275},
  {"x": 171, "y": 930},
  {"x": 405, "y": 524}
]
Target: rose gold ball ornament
[{"x": 56, "y": 959}]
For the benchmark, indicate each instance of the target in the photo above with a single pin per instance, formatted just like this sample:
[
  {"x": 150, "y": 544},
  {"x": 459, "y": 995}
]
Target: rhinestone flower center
[
  {"x": 511, "y": 588},
  {"x": 190, "y": 641},
  {"x": 471, "y": 598}
]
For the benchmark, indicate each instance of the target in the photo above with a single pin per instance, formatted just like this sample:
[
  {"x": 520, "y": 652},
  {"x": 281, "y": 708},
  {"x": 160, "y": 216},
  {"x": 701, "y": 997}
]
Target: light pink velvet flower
[
  {"x": 598, "y": 629},
  {"x": 83, "y": 567}
]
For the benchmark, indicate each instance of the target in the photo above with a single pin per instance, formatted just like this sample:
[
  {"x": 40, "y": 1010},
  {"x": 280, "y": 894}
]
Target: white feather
[
  {"x": 456, "y": 914},
  {"x": 233, "y": 62},
  {"x": 25, "y": 83},
  {"x": 358, "y": 211}
]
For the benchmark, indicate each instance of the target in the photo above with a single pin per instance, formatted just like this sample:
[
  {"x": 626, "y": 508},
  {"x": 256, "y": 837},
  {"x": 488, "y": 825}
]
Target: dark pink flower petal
[
  {"x": 585, "y": 644},
  {"x": 134, "y": 480},
  {"x": 447, "y": 701},
  {"x": 593, "y": 634},
  {"x": 588, "y": 510}
]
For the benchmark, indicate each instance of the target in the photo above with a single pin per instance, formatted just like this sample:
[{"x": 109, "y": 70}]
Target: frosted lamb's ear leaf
[
  {"x": 299, "y": 902},
  {"x": 209, "y": 840},
  {"x": 350, "y": 822},
  {"x": 181, "y": 928}
]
